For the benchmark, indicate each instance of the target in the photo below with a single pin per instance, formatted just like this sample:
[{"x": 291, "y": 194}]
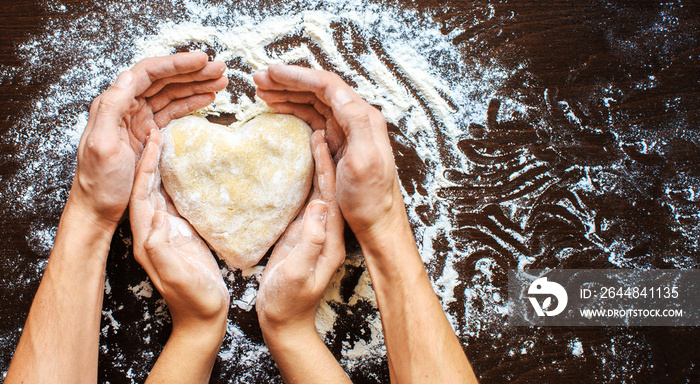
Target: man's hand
[
  {"x": 421, "y": 345},
  {"x": 184, "y": 271},
  {"x": 367, "y": 184},
  {"x": 302, "y": 265},
  {"x": 147, "y": 97}
]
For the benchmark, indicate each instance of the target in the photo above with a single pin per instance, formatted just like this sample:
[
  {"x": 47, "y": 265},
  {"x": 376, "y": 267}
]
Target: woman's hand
[
  {"x": 184, "y": 271},
  {"x": 307, "y": 254},
  {"x": 300, "y": 269},
  {"x": 177, "y": 260}
]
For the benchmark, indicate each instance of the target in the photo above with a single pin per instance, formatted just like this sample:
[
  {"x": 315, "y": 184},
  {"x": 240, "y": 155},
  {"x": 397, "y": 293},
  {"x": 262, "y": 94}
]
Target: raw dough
[{"x": 238, "y": 187}]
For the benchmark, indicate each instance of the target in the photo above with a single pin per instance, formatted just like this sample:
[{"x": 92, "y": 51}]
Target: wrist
[
  {"x": 391, "y": 253},
  {"x": 203, "y": 337},
  {"x": 281, "y": 328},
  {"x": 289, "y": 338},
  {"x": 80, "y": 210},
  {"x": 393, "y": 228},
  {"x": 79, "y": 239},
  {"x": 392, "y": 221}
]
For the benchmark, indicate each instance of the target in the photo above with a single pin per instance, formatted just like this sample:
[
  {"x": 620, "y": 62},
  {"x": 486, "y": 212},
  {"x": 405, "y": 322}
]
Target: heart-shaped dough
[{"x": 239, "y": 188}]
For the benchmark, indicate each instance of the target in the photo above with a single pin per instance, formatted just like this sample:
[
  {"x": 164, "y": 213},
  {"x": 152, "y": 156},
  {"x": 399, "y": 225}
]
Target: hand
[
  {"x": 420, "y": 343},
  {"x": 367, "y": 186},
  {"x": 142, "y": 99},
  {"x": 306, "y": 256},
  {"x": 179, "y": 263}
]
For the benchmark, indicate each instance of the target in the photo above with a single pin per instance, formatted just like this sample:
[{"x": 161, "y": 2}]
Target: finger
[
  {"x": 155, "y": 137},
  {"x": 157, "y": 246},
  {"x": 335, "y": 137},
  {"x": 333, "y": 252},
  {"x": 285, "y": 244},
  {"x": 313, "y": 237},
  {"x": 181, "y": 91},
  {"x": 302, "y": 111},
  {"x": 293, "y": 97},
  {"x": 182, "y": 107},
  {"x": 148, "y": 71},
  {"x": 264, "y": 81},
  {"x": 275, "y": 97},
  {"x": 323, "y": 84},
  {"x": 91, "y": 121},
  {"x": 355, "y": 116},
  {"x": 315, "y": 187},
  {"x": 324, "y": 168},
  {"x": 105, "y": 130},
  {"x": 273, "y": 92},
  {"x": 210, "y": 71},
  {"x": 146, "y": 180},
  {"x": 141, "y": 120},
  {"x": 141, "y": 207},
  {"x": 169, "y": 205}
]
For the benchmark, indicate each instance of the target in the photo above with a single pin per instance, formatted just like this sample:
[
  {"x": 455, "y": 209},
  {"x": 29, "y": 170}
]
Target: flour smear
[{"x": 395, "y": 57}]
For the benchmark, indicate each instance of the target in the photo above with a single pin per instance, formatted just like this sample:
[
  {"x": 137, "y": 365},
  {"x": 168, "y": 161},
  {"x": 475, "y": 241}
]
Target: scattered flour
[
  {"x": 397, "y": 59},
  {"x": 576, "y": 347},
  {"x": 143, "y": 290}
]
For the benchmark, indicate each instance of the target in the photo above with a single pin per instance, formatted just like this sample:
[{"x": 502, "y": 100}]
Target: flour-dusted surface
[{"x": 516, "y": 147}]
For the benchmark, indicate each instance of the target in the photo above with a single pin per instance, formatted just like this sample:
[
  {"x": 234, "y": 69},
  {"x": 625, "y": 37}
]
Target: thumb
[
  {"x": 153, "y": 246},
  {"x": 313, "y": 236},
  {"x": 159, "y": 236}
]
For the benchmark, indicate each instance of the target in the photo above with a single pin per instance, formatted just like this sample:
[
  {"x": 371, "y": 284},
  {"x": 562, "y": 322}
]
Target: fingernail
[
  {"x": 223, "y": 67},
  {"x": 342, "y": 96},
  {"x": 158, "y": 219},
  {"x": 152, "y": 145},
  {"x": 155, "y": 135},
  {"x": 318, "y": 211},
  {"x": 124, "y": 80}
]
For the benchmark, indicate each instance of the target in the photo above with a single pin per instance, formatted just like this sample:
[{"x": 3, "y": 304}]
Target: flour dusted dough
[{"x": 239, "y": 187}]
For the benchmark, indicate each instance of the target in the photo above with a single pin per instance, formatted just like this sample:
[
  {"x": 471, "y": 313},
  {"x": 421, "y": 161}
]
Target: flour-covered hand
[
  {"x": 184, "y": 271},
  {"x": 306, "y": 256},
  {"x": 179, "y": 263},
  {"x": 298, "y": 273},
  {"x": 144, "y": 98}
]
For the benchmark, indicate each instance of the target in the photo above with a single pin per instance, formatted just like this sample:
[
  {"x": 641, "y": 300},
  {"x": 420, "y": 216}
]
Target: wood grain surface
[{"x": 570, "y": 51}]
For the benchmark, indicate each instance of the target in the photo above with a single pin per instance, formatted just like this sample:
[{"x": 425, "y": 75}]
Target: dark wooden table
[{"x": 647, "y": 53}]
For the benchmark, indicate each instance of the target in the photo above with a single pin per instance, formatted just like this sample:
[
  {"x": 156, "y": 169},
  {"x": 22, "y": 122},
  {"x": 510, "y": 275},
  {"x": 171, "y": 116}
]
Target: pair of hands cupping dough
[{"x": 238, "y": 188}]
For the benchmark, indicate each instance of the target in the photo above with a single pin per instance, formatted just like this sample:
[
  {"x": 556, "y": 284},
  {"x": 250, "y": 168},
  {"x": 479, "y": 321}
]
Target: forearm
[
  {"x": 60, "y": 339},
  {"x": 188, "y": 357},
  {"x": 421, "y": 345},
  {"x": 302, "y": 357}
]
